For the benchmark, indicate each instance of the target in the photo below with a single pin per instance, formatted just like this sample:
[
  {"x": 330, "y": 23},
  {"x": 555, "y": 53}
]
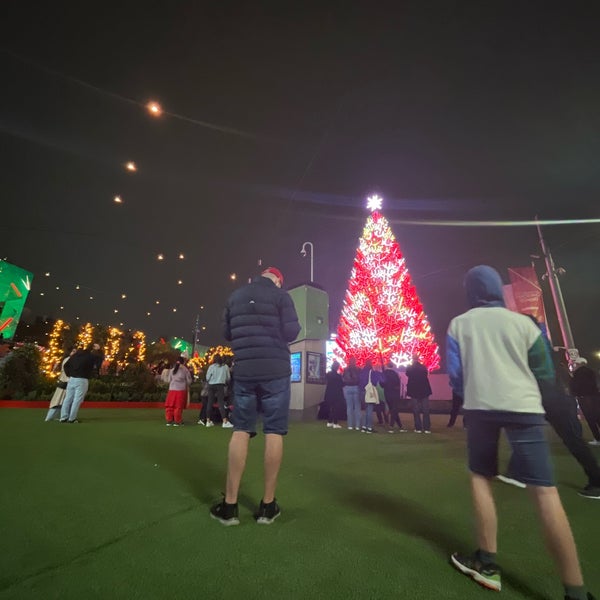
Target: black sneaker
[
  {"x": 590, "y": 491},
  {"x": 486, "y": 575},
  {"x": 589, "y": 597},
  {"x": 227, "y": 514},
  {"x": 267, "y": 513}
]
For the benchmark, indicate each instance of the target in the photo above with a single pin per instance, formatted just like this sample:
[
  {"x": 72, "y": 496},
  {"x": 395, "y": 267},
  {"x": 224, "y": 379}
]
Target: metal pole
[
  {"x": 196, "y": 329},
  {"x": 557, "y": 297}
]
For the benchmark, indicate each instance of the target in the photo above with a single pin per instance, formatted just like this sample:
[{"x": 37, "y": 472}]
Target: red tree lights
[{"x": 382, "y": 317}]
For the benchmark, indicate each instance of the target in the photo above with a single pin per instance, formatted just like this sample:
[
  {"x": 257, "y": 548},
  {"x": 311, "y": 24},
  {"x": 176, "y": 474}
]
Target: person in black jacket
[
  {"x": 419, "y": 389},
  {"x": 334, "y": 395},
  {"x": 79, "y": 369},
  {"x": 260, "y": 321},
  {"x": 391, "y": 390},
  {"x": 585, "y": 388}
]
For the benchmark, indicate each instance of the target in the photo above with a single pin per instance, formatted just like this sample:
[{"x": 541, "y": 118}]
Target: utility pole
[{"x": 559, "y": 304}]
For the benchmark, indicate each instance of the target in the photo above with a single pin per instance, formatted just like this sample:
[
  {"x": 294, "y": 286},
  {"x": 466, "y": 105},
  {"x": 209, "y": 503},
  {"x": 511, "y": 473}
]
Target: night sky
[{"x": 281, "y": 120}]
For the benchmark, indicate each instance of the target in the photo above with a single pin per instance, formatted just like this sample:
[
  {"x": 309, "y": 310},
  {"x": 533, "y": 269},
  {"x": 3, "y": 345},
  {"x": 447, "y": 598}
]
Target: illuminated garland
[
  {"x": 54, "y": 351},
  {"x": 85, "y": 337},
  {"x": 382, "y": 317}
]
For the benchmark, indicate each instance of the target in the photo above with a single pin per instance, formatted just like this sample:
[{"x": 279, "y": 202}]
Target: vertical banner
[{"x": 526, "y": 296}]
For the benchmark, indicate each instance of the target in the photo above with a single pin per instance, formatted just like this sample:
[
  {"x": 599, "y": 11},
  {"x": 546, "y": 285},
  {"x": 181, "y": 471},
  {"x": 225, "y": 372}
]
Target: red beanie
[{"x": 274, "y": 271}]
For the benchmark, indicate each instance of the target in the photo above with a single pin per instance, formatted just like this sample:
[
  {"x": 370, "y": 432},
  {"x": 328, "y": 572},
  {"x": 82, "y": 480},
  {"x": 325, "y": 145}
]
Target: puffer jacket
[{"x": 260, "y": 321}]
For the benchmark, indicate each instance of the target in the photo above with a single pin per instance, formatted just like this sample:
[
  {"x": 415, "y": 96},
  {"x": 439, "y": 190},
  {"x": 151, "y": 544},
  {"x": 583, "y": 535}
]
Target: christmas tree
[{"x": 382, "y": 317}]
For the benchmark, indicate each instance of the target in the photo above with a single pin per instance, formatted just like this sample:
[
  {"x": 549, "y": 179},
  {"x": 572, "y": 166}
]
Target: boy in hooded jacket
[{"x": 498, "y": 362}]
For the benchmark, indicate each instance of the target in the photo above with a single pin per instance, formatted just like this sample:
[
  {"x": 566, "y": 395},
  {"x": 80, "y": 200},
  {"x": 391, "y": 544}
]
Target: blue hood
[{"x": 484, "y": 287}]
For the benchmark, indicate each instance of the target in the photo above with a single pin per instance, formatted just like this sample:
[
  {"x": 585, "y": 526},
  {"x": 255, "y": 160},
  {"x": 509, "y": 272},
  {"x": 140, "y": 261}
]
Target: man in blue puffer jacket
[{"x": 260, "y": 321}]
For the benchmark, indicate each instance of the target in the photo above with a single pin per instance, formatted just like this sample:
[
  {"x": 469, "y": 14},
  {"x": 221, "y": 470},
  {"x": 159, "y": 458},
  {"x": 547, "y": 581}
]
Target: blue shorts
[
  {"x": 271, "y": 398},
  {"x": 530, "y": 461}
]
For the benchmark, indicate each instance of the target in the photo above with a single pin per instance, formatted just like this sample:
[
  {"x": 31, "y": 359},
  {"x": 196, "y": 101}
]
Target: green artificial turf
[{"x": 117, "y": 507}]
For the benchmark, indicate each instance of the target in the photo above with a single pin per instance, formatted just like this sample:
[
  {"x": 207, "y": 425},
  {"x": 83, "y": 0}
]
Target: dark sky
[{"x": 483, "y": 110}]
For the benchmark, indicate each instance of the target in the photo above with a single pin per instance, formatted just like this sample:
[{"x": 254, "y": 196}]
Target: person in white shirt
[
  {"x": 217, "y": 377},
  {"x": 180, "y": 380}
]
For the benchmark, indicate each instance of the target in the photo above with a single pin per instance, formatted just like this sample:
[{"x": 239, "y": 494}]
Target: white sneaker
[
  {"x": 350, "y": 428},
  {"x": 209, "y": 424},
  {"x": 418, "y": 431},
  {"x": 511, "y": 481},
  {"x": 336, "y": 426},
  {"x": 402, "y": 430},
  {"x": 427, "y": 431},
  {"x": 329, "y": 424},
  {"x": 227, "y": 425},
  {"x": 201, "y": 422},
  {"x": 594, "y": 443}
]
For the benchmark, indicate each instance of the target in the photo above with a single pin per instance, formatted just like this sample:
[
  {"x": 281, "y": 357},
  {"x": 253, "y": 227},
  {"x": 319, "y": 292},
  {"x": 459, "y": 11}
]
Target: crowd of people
[
  {"x": 500, "y": 371},
  {"x": 356, "y": 395}
]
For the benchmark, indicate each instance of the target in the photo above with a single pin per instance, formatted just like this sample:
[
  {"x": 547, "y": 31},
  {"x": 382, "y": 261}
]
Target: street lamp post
[{"x": 312, "y": 256}]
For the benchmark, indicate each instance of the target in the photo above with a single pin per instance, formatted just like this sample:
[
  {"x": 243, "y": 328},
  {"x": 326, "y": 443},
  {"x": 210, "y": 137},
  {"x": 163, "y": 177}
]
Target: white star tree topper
[{"x": 374, "y": 202}]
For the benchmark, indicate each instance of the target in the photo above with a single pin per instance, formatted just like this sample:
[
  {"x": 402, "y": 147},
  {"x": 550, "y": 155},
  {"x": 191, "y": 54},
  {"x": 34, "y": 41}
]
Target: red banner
[{"x": 525, "y": 295}]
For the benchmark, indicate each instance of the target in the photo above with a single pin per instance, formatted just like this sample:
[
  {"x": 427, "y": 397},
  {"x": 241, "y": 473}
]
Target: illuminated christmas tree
[{"x": 382, "y": 317}]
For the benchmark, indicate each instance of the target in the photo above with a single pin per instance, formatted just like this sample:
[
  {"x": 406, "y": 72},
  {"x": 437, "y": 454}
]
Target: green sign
[
  {"x": 183, "y": 347},
  {"x": 15, "y": 284}
]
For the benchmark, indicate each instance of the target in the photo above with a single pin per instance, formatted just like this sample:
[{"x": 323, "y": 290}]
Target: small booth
[{"x": 308, "y": 352}]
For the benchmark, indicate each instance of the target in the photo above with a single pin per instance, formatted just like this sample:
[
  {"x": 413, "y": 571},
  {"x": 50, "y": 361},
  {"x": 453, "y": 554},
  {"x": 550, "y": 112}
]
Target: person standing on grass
[
  {"x": 217, "y": 377},
  {"x": 585, "y": 387},
  {"x": 368, "y": 375},
  {"x": 260, "y": 321},
  {"x": 496, "y": 358},
  {"x": 79, "y": 369},
  {"x": 61, "y": 390},
  {"x": 334, "y": 395},
  {"x": 561, "y": 413},
  {"x": 180, "y": 380},
  {"x": 350, "y": 379},
  {"x": 419, "y": 389},
  {"x": 391, "y": 389}
]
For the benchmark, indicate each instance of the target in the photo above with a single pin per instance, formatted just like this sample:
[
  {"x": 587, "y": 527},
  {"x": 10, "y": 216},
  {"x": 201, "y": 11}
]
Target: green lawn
[{"x": 117, "y": 507}]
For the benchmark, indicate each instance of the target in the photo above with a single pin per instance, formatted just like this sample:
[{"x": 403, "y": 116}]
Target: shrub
[
  {"x": 20, "y": 374},
  {"x": 140, "y": 377}
]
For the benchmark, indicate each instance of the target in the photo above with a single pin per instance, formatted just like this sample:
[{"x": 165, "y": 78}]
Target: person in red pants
[{"x": 177, "y": 397}]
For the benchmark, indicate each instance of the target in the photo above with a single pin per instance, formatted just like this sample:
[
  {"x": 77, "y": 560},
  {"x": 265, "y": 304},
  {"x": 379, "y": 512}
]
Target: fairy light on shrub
[
  {"x": 224, "y": 351},
  {"x": 139, "y": 337},
  {"x": 86, "y": 335},
  {"x": 54, "y": 351},
  {"x": 113, "y": 343}
]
